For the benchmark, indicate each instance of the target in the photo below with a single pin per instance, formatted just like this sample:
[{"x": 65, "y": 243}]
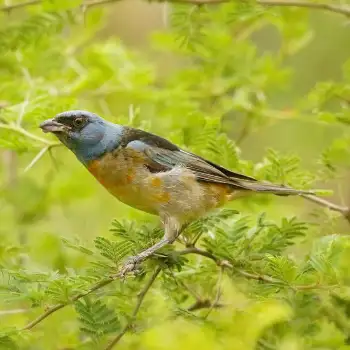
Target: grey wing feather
[
  {"x": 162, "y": 159},
  {"x": 202, "y": 170}
]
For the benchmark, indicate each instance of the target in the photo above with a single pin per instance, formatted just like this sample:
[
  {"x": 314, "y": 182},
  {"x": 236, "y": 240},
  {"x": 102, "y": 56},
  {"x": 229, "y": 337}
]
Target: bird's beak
[{"x": 51, "y": 125}]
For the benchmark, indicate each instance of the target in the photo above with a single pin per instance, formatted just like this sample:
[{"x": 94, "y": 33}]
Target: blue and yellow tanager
[{"x": 152, "y": 174}]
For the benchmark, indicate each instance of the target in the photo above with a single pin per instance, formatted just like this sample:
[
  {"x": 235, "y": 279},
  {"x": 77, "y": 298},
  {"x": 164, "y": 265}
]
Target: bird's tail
[{"x": 279, "y": 190}]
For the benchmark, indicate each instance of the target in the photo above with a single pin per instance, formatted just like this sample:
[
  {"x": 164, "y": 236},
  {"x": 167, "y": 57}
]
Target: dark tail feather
[{"x": 279, "y": 190}]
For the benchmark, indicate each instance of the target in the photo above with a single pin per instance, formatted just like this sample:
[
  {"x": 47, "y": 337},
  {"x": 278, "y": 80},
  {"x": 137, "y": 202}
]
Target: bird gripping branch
[{"x": 152, "y": 174}]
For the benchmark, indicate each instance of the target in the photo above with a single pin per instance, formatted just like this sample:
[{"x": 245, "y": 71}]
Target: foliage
[{"x": 272, "y": 273}]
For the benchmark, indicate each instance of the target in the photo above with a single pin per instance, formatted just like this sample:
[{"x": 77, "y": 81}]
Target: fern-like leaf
[{"x": 96, "y": 318}]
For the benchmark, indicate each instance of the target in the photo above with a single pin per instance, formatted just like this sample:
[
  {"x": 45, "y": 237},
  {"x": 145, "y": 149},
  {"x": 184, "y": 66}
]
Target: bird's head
[{"x": 85, "y": 133}]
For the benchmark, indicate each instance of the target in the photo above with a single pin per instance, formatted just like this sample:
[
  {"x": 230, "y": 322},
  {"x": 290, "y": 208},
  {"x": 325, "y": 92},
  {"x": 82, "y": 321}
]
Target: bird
[{"x": 152, "y": 174}]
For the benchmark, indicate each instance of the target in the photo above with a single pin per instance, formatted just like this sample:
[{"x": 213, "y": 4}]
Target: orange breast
[
  {"x": 113, "y": 169},
  {"x": 125, "y": 177},
  {"x": 94, "y": 168}
]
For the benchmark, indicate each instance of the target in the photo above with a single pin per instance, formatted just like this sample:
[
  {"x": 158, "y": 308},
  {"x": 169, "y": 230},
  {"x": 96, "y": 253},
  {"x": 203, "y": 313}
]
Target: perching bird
[{"x": 152, "y": 174}]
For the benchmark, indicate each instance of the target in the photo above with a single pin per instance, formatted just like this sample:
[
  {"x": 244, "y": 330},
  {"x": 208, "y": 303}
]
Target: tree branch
[
  {"x": 200, "y": 303},
  {"x": 225, "y": 263},
  {"x": 18, "y": 129},
  {"x": 39, "y": 155},
  {"x": 9, "y": 8},
  {"x": 57, "y": 307},
  {"x": 140, "y": 299},
  {"x": 190, "y": 250},
  {"x": 262, "y": 278},
  {"x": 218, "y": 292},
  {"x": 254, "y": 276},
  {"x": 198, "y": 251},
  {"x": 185, "y": 286},
  {"x": 13, "y": 312},
  {"x": 345, "y": 211},
  {"x": 343, "y": 10},
  {"x": 93, "y": 3},
  {"x": 339, "y": 9}
]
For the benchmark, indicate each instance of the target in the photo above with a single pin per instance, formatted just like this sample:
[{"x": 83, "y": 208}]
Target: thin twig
[
  {"x": 339, "y": 9},
  {"x": 39, "y": 155},
  {"x": 24, "y": 132},
  {"x": 218, "y": 292},
  {"x": 343, "y": 10},
  {"x": 57, "y": 307},
  {"x": 185, "y": 286},
  {"x": 93, "y": 3},
  {"x": 254, "y": 276},
  {"x": 345, "y": 211},
  {"x": 191, "y": 250},
  {"x": 200, "y": 303},
  {"x": 23, "y": 109},
  {"x": 36, "y": 158},
  {"x": 196, "y": 238},
  {"x": 12, "y": 312},
  {"x": 140, "y": 299},
  {"x": 275, "y": 281},
  {"x": 258, "y": 277},
  {"x": 9, "y": 8},
  {"x": 18, "y": 129},
  {"x": 43, "y": 316},
  {"x": 198, "y": 251},
  {"x": 225, "y": 263}
]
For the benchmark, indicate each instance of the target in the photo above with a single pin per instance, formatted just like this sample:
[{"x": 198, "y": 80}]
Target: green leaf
[
  {"x": 114, "y": 251},
  {"x": 96, "y": 318}
]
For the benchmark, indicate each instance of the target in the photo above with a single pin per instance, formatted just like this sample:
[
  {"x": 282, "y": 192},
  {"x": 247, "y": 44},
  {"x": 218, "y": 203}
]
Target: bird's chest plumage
[
  {"x": 124, "y": 173},
  {"x": 125, "y": 176}
]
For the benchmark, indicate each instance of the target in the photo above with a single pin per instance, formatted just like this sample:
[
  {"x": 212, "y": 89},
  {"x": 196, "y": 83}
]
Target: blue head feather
[{"x": 94, "y": 138}]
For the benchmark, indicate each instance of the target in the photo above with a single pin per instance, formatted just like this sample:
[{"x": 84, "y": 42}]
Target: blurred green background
[{"x": 152, "y": 89}]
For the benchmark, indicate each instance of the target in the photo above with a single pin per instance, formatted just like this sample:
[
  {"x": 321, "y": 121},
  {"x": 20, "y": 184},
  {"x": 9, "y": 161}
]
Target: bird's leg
[
  {"x": 133, "y": 261},
  {"x": 172, "y": 230}
]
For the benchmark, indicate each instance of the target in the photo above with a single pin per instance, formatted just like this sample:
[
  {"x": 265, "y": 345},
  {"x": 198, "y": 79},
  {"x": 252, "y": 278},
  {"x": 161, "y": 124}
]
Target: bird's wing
[
  {"x": 198, "y": 166},
  {"x": 161, "y": 155}
]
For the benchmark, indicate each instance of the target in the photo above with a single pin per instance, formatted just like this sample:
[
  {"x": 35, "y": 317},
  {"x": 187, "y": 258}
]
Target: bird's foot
[{"x": 130, "y": 265}]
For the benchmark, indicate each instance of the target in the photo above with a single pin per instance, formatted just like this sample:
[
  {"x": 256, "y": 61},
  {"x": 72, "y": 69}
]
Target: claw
[{"x": 129, "y": 266}]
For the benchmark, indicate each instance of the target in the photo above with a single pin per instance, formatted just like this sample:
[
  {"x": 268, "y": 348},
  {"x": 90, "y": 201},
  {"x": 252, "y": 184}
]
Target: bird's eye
[{"x": 78, "y": 122}]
